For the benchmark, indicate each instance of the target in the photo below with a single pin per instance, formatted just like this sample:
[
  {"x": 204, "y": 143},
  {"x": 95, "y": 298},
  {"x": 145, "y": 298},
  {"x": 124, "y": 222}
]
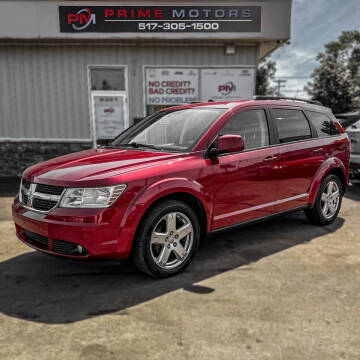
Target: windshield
[{"x": 177, "y": 130}]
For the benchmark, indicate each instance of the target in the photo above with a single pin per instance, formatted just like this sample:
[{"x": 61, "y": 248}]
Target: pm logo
[
  {"x": 227, "y": 88},
  {"x": 82, "y": 19}
]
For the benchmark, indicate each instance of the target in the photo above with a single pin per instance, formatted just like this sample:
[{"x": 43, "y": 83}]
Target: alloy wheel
[
  {"x": 171, "y": 240},
  {"x": 330, "y": 199}
]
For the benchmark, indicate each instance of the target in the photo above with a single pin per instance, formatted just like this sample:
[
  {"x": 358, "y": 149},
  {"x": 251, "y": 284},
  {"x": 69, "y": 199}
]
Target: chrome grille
[
  {"x": 39, "y": 197},
  {"x": 24, "y": 197},
  {"x": 49, "y": 189},
  {"x": 26, "y": 184},
  {"x": 43, "y": 205}
]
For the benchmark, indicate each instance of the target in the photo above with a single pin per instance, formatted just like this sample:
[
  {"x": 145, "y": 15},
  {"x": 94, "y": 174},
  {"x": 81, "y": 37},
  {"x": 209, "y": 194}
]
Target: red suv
[{"x": 166, "y": 182}]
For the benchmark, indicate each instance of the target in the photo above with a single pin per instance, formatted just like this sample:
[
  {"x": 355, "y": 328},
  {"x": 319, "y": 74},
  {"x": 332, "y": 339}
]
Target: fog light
[{"x": 80, "y": 249}]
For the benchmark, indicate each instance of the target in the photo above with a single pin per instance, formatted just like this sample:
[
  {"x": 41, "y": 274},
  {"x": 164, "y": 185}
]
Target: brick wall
[{"x": 15, "y": 157}]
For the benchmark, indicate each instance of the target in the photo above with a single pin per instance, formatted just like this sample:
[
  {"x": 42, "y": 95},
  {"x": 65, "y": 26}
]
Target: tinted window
[
  {"x": 292, "y": 125},
  {"x": 324, "y": 126},
  {"x": 252, "y": 126}
]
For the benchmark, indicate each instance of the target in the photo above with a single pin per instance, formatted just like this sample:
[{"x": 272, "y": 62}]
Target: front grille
[
  {"x": 40, "y": 197},
  {"x": 49, "y": 189},
  {"x": 25, "y": 184},
  {"x": 42, "y": 204},
  {"x": 65, "y": 247},
  {"x": 58, "y": 246},
  {"x": 24, "y": 197},
  {"x": 37, "y": 239}
]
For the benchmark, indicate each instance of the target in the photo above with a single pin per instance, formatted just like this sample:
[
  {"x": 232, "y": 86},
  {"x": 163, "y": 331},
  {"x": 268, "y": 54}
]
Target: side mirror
[{"x": 228, "y": 144}]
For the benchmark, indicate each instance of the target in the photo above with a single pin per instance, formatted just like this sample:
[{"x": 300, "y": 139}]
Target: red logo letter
[
  {"x": 73, "y": 18},
  {"x": 109, "y": 12},
  {"x": 159, "y": 13}
]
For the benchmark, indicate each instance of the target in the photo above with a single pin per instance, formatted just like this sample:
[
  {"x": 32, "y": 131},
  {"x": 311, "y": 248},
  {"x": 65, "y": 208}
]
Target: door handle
[
  {"x": 270, "y": 159},
  {"x": 318, "y": 150}
]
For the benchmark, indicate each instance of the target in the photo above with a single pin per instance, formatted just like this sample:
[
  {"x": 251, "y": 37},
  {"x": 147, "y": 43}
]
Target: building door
[{"x": 108, "y": 102}]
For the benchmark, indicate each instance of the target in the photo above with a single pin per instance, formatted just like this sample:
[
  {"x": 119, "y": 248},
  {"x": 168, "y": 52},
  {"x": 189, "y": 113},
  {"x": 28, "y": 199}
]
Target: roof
[{"x": 244, "y": 103}]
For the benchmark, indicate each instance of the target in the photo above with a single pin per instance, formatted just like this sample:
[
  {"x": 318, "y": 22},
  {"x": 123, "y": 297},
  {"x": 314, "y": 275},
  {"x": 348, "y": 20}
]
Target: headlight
[{"x": 100, "y": 197}]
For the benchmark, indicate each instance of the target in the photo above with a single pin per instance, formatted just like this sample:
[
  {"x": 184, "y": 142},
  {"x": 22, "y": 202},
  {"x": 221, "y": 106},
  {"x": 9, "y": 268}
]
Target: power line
[
  {"x": 294, "y": 91},
  {"x": 292, "y": 77}
]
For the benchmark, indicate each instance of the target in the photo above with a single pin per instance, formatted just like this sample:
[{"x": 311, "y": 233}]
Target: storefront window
[{"x": 108, "y": 79}]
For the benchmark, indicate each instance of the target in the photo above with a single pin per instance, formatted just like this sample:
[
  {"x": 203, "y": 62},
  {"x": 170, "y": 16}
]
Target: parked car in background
[
  {"x": 184, "y": 172},
  {"x": 351, "y": 123}
]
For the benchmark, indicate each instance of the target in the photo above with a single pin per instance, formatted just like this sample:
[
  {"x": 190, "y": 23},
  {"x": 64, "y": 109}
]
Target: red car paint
[{"x": 232, "y": 189}]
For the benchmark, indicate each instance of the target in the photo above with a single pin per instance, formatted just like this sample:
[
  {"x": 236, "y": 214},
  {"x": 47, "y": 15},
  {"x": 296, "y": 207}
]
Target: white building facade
[{"x": 73, "y": 73}]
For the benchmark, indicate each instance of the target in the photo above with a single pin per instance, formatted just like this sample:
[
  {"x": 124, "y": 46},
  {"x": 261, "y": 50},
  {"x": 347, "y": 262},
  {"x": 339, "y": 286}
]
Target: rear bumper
[{"x": 96, "y": 230}]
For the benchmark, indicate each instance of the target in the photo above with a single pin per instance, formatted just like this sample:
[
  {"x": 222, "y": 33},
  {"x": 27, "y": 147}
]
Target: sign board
[
  {"x": 109, "y": 115},
  {"x": 171, "y": 86},
  {"x": 158, "y": 19},
  {"x": 227, "y": 84}
]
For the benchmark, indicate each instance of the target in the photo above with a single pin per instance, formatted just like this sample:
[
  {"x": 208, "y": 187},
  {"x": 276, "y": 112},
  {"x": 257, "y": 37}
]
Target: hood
[{"x": 95, "y": 167}]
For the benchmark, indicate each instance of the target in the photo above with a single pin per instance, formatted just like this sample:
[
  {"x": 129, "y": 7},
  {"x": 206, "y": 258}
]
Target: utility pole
[{"x": 279, "y": 86}]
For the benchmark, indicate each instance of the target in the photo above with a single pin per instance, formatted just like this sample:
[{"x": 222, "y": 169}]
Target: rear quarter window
[
  {"x": 323, "y": 124},
  {"x": 291, "y": 125}
]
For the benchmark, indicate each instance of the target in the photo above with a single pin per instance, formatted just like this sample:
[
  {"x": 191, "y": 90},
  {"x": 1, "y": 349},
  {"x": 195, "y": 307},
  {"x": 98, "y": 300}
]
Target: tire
[
  {"x": 318, "y": 214},
  {"x": 160, "y": 249}
]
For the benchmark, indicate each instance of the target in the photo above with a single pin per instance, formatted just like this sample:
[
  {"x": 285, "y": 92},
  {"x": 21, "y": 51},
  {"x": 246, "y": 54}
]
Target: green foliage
[
  {"x": 264, "y": 74},
  {"x": 336, "y": 82}
]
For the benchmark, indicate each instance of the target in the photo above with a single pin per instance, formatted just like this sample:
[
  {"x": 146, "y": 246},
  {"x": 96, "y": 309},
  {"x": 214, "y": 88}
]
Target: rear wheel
[
  {"x": 328, "y": 202},
  {"x": 167, "y": 239}
]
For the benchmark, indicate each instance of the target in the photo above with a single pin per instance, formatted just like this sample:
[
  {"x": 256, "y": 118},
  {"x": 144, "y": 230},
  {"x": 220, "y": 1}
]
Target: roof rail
[{"x": 267, "y": 97}]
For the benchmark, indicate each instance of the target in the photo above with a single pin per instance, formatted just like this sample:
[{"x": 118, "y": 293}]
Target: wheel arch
[
  {"x": 192, "y": 201},
  {"x": 340, "y": 174},
  {"x": 185, "y": 190},
  {"x": 330, "y": 166}
]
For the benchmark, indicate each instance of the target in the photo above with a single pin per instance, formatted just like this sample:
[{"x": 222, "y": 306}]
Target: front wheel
[
  {"x": 167, "y": 239},
  {"x": 328, "y": 202}
]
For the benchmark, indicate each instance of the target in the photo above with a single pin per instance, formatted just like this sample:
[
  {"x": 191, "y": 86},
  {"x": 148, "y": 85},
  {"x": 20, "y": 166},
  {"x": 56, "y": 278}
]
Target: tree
[
  {"x": 264, "y": 74},
  {"x": 336, "y": 82},
  {"x": 332, "y": 86}
]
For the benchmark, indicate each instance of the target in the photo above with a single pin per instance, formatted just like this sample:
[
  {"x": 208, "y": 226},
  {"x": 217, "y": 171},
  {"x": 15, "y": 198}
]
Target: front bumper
[{"x": 98, "y": 231}]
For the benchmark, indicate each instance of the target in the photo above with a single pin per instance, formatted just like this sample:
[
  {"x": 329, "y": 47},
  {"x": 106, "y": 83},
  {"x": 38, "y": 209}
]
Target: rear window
[
  {"x": 292, "y": 125},
  {"x": 323, "y": 125}
]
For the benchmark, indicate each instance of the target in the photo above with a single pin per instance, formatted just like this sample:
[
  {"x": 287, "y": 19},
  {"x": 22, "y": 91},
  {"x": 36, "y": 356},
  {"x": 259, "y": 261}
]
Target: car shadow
[{"x": 47, "y": 289}]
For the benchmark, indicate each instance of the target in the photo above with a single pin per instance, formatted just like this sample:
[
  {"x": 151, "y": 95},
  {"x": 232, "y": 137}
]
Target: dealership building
[{"x": 76, "y": 73}]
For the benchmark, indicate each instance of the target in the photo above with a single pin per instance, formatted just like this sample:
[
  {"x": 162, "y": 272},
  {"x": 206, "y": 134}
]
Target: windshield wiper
[
  {"x": 134, "y": 145},
  {"x": 150, "y": 146}
]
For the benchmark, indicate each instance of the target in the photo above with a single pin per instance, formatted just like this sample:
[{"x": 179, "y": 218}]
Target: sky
[{"x": 314, "y": 23}]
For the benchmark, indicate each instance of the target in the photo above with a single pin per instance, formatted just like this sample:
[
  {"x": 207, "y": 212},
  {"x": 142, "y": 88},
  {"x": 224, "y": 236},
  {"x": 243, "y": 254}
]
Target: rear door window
[
  {"x": 252, "y": 126},
  {"x": 323, "y": 125},
  {"x": 291, "y": 125}
]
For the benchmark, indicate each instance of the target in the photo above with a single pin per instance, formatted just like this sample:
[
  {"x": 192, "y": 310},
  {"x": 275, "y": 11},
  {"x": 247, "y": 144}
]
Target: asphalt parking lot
[{"x": 278, "y": 290}]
